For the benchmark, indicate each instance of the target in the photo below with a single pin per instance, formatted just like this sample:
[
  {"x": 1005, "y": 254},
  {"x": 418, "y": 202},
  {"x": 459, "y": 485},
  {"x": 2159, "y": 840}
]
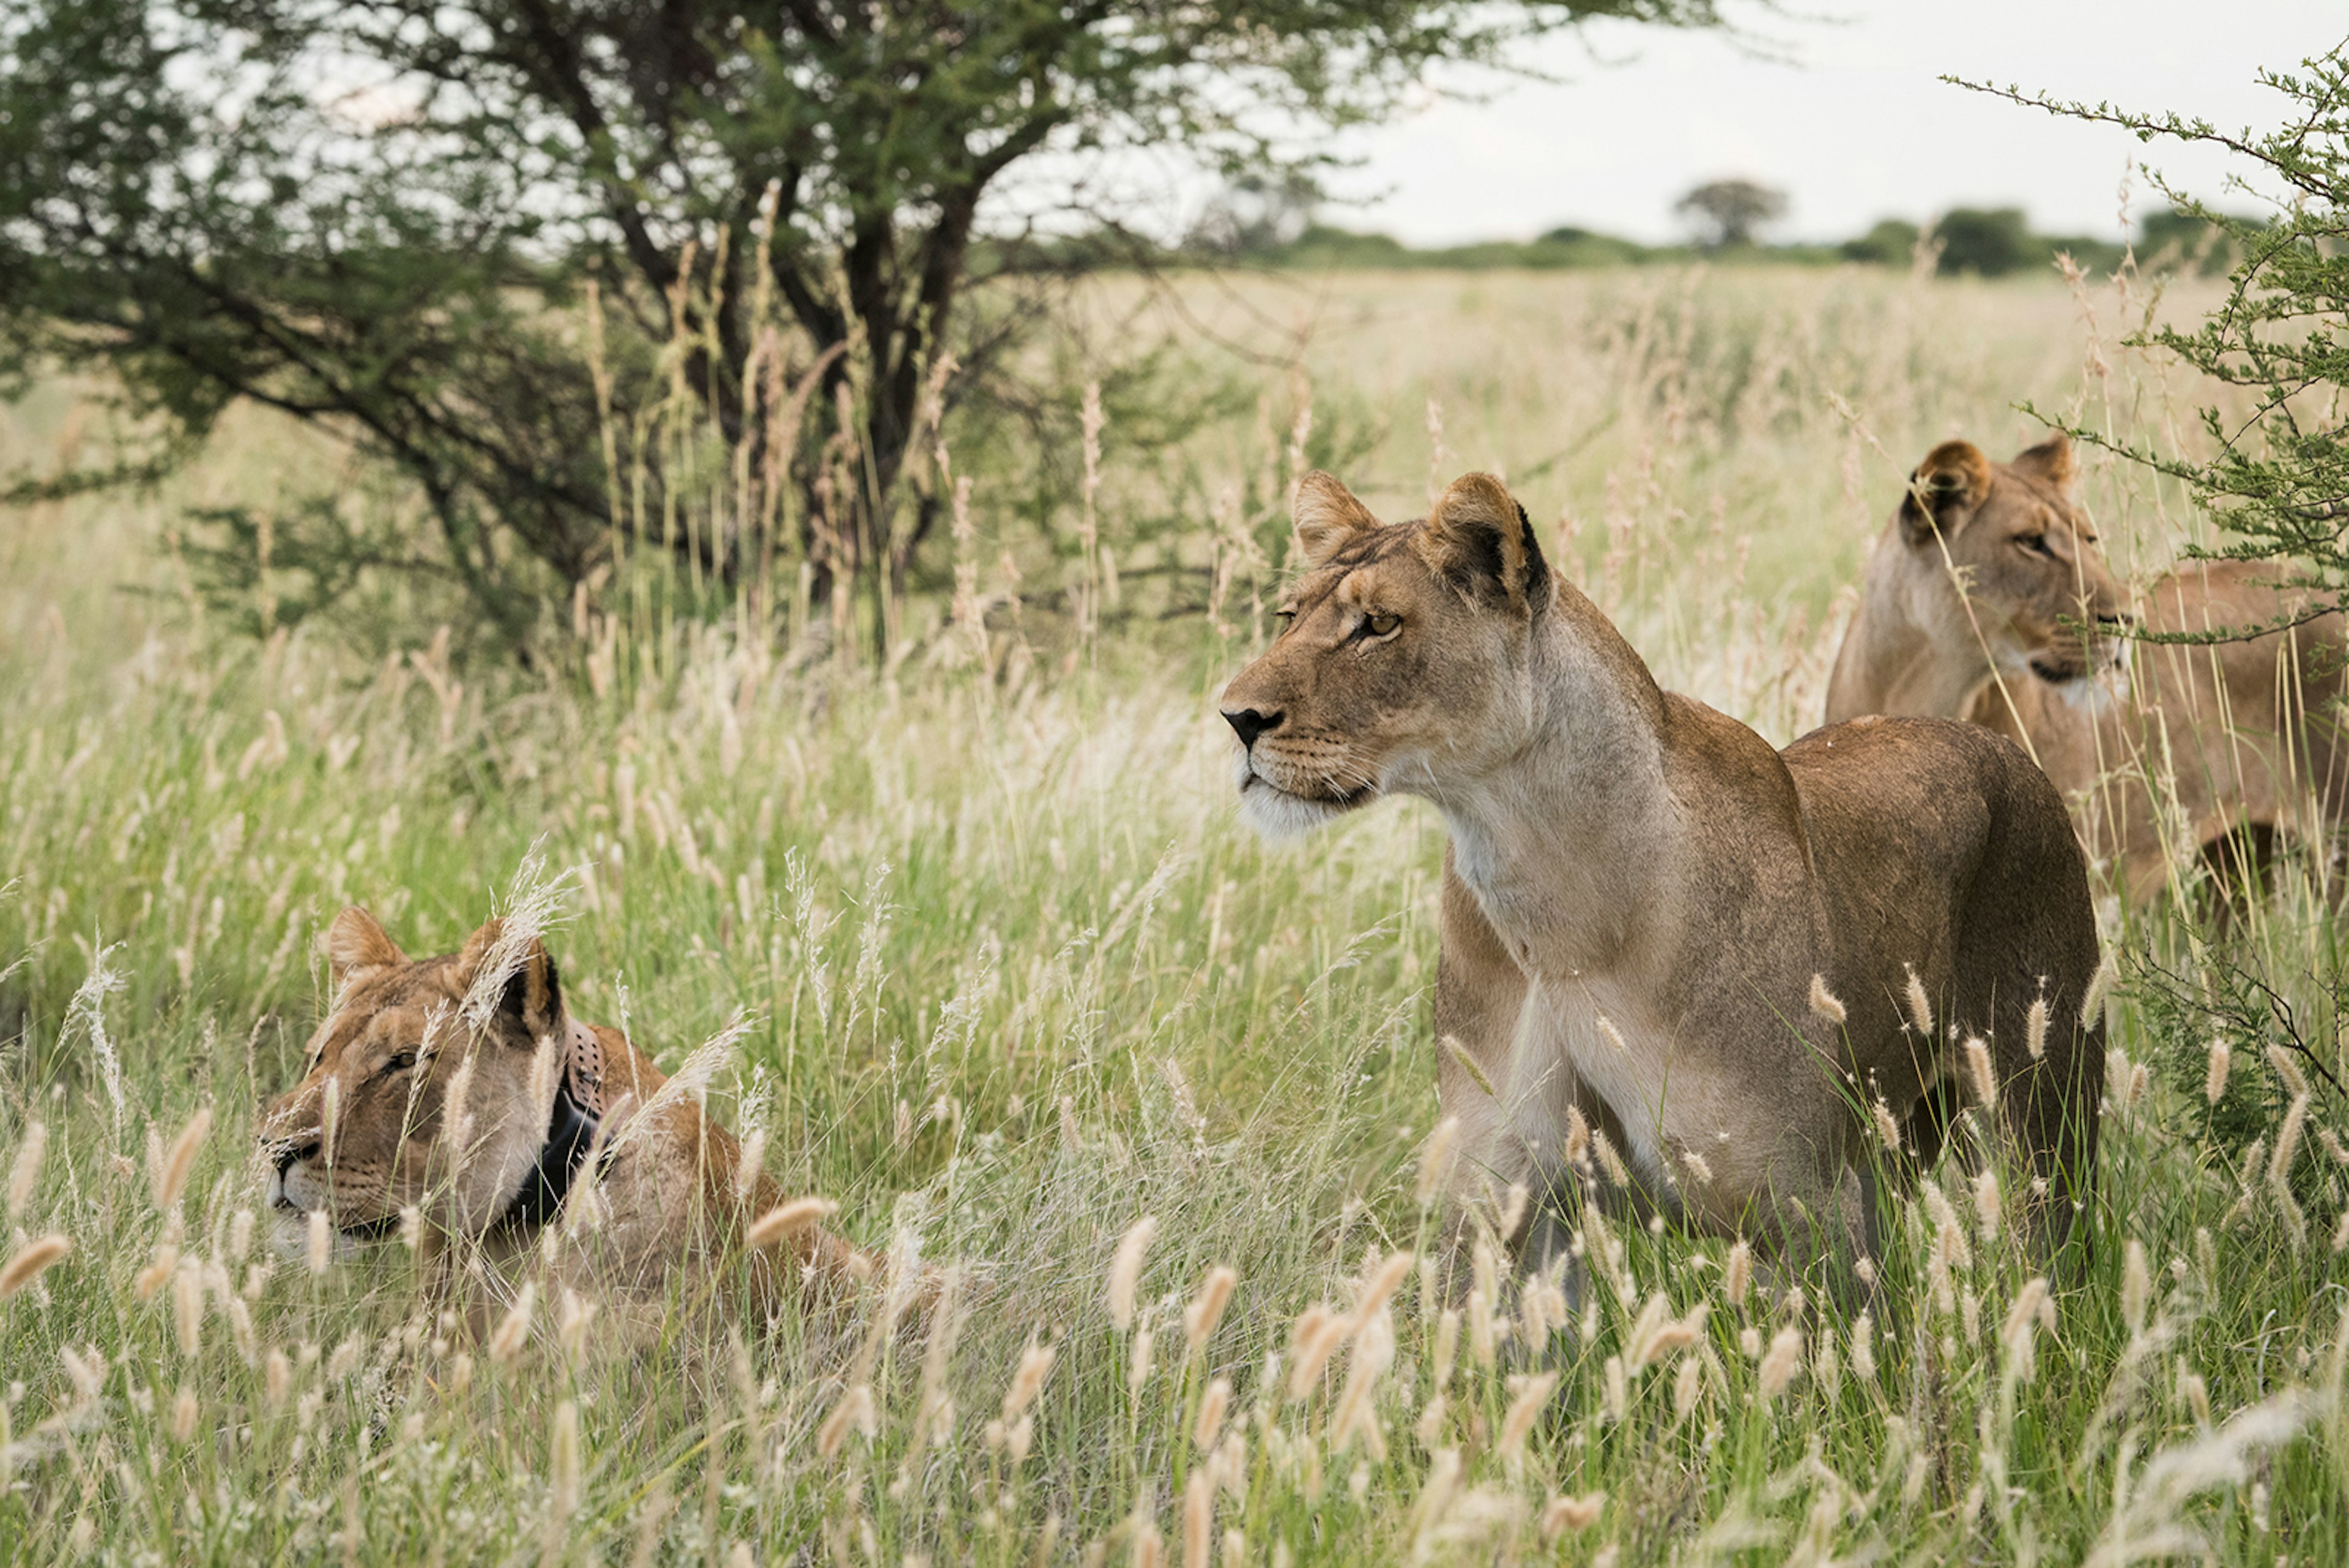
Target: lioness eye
[
  {"x": 2035, "y": 543},
  {"x": 1384, "y": 624},
  {"x": 400, "y": 1062}
]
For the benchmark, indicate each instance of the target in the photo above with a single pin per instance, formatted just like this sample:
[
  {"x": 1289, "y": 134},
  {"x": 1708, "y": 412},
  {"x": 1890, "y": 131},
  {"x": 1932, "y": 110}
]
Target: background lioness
[
  {"x": 2165, "y": 750},
  {"x": 462, "y": 1088},
  {"x": 1656, "y": 929}
]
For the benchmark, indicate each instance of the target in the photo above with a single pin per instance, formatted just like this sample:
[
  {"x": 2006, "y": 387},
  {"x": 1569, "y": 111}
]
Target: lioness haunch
[
  {"x": 551, "y": 1110},
  {"x": 1656, "y": 928}
]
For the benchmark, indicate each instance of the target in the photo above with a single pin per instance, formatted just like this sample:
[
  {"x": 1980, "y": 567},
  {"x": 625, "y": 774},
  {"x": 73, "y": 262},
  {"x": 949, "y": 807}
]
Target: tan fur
[
  {"x": 665, "y": 1204},
  {"x": 2163, "y": 751},
  {"x": 1639, "y": 890}
]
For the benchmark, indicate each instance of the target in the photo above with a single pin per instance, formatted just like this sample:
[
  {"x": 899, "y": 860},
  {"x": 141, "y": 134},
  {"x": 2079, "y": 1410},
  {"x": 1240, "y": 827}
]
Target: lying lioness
[
  {"x": 1656, "y": 929},
  {"x": 549, "y": 1113},
  {"x": 2214, "y": 749}
]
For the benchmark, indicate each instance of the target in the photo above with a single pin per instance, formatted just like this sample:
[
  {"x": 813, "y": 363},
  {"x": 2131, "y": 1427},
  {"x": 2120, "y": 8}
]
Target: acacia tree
[
  {"x": 2278, "y": 480},
  {"x": 1729, "y": 210},
  {"x": 385, "y": 216}
]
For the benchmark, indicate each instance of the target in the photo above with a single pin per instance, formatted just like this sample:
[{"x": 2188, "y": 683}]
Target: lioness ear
[
  {"x": 2051, "y": 462},
  {"x": 1479, "y": 537},
  {"x": 357, "y": 948},
  {"x": 1950, "y": 483},
  {"x": 1328, "y": 517},
  {"x": 533, "y": 996},
  {"x": 530, "y": 998}
]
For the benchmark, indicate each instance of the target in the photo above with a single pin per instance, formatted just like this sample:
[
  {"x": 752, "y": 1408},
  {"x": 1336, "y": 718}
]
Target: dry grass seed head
[
  {"x": 1213, "y": 1403},
  {"x": 319, "y": 1244},
  {"x": 1531, "y": 1394},
  {"x": 1658, "y": 1334},
  {"x": 787, "y": 1219},
  {"x": 562, "y": 1469},
  {"x": 2136, "y": 1286},
  {"x": 1470, "y": 1066},
  {"x": 29, "y": 1261},
  {"x": 1920, "y": 1006},
  {"x": 188, "y": 1307},
  {"x": 1782, "y": 1362},
  {"x": 1435, "y": 1160},
  {"x": 1198, "y": 1519},
  {"x": 1125, "y": 1270},
  {"x": 159, "y": 1269},
  {"x": 1445, "y": 1350},
  {"x": 513, "y": 1330},
  {"x": 1027, "y": 1379},
  {"x": 1381, "y": 1285},
  {"x": 181, "y": 1158},
  {"x": 1206, "y": 1307},
  {"x": 2287, "y": 1146},
  {"x": 1611, "y": 1162},
  {"x": 2018, "y": 1334},
  {"x": 2214, "y": 1076},
  {"x": 1374, "y": 1348},
  {"x": 1318, "y": 1334},
  {"x": 1738, "y": 1273},
  {"x": 691, "y": 1081},
  {"x": 2287, "y": 1067},
  {"x": 1987, "y": 1205},
  {"x": 747, "y": 1170},
  {"x": 24, "y": 1171},
  {"x": 1577, "y": 1148},
  {"x": 852, "y": 1413},
  {"x": 1688, "y": 1385},
  {"x": 1825, "y": 1002},
  {"x": 1980, "y": 1074},
  {"x": 1137, "y": 1364},
  {"x": 1562, "y": 1514}
]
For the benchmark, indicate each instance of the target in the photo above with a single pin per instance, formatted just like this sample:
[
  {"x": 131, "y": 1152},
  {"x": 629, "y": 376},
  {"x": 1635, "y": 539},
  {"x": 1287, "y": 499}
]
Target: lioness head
[
  {"x": 365, "y": 1133},
  {"x": 1400, "y": 644},
  {"x": 2037, "y": 592}
]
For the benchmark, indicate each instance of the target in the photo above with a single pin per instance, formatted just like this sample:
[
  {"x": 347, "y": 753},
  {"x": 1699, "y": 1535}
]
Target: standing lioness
[
  {"x": 1987, "y": 599},
  {"x": 1655, "y": 927}
]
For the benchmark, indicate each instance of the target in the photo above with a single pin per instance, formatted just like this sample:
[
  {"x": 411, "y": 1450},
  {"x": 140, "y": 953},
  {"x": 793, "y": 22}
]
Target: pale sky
[{"x": 1856, "y": 128}]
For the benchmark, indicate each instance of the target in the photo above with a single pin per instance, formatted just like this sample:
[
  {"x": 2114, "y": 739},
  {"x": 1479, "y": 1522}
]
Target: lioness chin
[
  {"x": 1987, "y": 600},
  {"x": 1659, "y": 930},
  {"x": 459, "y": 1090}
]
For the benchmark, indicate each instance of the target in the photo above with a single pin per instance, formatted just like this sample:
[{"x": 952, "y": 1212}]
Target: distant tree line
[{"x": 1995, "y": 241}]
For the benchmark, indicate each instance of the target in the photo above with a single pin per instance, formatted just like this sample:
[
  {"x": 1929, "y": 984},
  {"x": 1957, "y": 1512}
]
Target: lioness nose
[{"x": 1247, "y": 724}]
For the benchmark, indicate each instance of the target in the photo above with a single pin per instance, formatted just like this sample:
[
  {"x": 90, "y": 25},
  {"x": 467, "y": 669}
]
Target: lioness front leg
[{"x": 1480, "y": 993}]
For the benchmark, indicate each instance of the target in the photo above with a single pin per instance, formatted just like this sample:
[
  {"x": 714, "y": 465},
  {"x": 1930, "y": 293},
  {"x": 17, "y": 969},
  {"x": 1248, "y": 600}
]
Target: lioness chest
[{"x": 1679, "y": 1105}]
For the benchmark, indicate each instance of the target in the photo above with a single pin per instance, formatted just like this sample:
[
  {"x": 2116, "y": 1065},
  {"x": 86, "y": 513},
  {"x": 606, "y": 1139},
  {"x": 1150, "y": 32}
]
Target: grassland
[{"x": 1017, "y": 980}]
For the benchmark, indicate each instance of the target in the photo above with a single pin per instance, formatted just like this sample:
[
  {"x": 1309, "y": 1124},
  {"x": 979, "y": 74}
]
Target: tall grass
[{"x": 1021, "y": 984}]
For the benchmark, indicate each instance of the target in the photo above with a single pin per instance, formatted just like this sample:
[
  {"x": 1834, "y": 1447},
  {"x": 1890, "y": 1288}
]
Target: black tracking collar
[{"x": 569, "y": 1132}]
